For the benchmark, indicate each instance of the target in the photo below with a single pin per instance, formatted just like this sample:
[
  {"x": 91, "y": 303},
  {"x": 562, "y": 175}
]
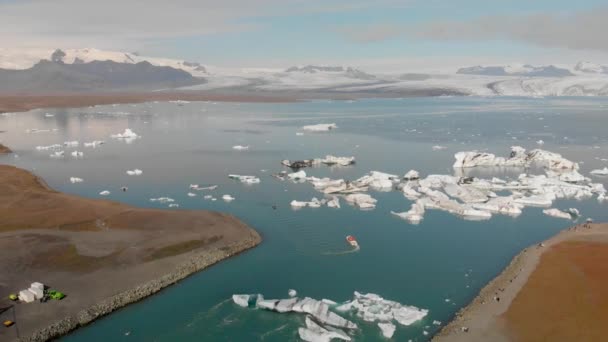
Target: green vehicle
[{"x": 56, "y": 295}]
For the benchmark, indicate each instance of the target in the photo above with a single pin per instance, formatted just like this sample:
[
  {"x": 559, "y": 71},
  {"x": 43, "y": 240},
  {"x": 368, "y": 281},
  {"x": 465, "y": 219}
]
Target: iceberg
[
  {"x": 334, "y": 203},
  {"x": 57, "y": 154},
  {"x": 94, "y": 143},
  {"x": 316, "y": 333},
  {"x": 414, "y": 215},
  {"x": 135, "y": 172},
  {"x": 518, "y": 157},
  {"x": 71, "y": 143},
  {"x": 104, "y": 193},
  {"x": 341, "y": 161},
  {"x": 600, "y": 172},
  {"x": 300, "y": 175},
  {"x": 190, "y": 194},
  {"x": 77, "y": 154},
  {"x": 76, "y": 180},
  {"x": 49, "y": 147},
  {"x": 128, "y": 133},
  {"x": 241, "y": 300},
  {"x": 411, "y": 175},
  {"x": 387, "y": 329},
  {"x": 320, "y": 127},
  {"x": 314, "y": 203},
  {"x": 292, "y": 293},
  {"x": 363, "y": 201},
  {"x": 240, "y": 147},
  {"x": 162, "y": 200},
  {"x": 228, "y": 198},
  {"x": 571, "y": 214},
  {"x": 245, "y": 179}
]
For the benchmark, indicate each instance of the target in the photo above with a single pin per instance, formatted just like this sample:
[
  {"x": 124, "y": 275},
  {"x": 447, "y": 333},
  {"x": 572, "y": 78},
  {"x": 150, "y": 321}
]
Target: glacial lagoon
[{"x": 438, "y": 265}]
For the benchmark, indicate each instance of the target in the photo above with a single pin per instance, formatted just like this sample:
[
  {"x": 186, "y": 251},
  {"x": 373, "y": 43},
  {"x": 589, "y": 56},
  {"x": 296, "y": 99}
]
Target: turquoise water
[{"x": 438, "y": 265}]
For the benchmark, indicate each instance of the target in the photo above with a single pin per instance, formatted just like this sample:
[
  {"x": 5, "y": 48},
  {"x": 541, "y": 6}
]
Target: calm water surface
[{"x": 438, "y": 265}]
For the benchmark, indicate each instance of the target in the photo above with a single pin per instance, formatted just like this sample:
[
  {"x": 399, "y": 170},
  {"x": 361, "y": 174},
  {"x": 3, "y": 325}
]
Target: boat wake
[{"x": 354, "y": 250}]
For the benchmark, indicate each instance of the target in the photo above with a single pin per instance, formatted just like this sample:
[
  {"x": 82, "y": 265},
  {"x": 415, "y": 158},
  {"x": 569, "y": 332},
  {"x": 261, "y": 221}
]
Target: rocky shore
[
  {"x": 4, "y": 149},
  {"x": 488, "y": 316},
  {"x": 197, "y": 263}
]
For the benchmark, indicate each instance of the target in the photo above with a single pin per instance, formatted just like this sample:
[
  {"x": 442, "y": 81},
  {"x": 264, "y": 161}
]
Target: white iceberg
[
  {"x": 316, "y": 333},
  {"x": 240, "y": 147},
  {"x": 245, "y": 179},
  {"x": 77, "y": 154},
  {"x": 300, "y": 175},
  {"x": 57, "y": 154},
  {"x": 127, "y": 136},
  {"x": 162, "y": 200},
  {"x": 334, "y": 203},
  {"x": 411, "y": 175},
  {"x": 388, "y": 329},
  {"x": 190, "y": 194},
  {"x": 135, "y": 172},
  {"x": 49, "y": 147},
  {"x": 414, "y": 215},
  {"x": 341, "y": 161},
  {"x": 363, "y": 201},
  {"x": 71, "y": 143},
  {"x": 600, "y": 172},
  {"x": 228, "y": 198},
  {"x": 292, "y": 293},
  {"x": 94, "y": 143},
  {"x": 76, "y": 180},
  {"x": 571, "y": 214},
  {"x": 104, "y": 193},
  {"x": 241, "y": 300},
  {"x": 320, "y": 127}
]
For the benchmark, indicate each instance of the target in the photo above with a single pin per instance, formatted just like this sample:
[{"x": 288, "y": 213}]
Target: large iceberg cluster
[
  {"x": 323, "y": 324},
  {"x": 468, "y": 197}
]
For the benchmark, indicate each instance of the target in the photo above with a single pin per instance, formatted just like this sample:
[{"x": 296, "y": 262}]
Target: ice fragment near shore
[
  {"x": 571, "y": 214},
  {"x": 104, "y": 193},
  {"x": 228, "y": 198},
  {"x": 76, "y": 180},
  {"x": 241, "y": 300}
]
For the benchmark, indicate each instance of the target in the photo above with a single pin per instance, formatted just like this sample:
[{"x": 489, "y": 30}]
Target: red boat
[{"x": 352, "y": 241}]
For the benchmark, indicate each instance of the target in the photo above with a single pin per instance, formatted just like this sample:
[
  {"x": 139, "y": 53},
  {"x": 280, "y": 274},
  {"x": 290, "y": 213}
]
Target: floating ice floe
[
  {"x": 320, "y": 127},
  {"x": 363, "y": 201},
  {"x": 135, "y": 172},
  {"x": 128, "y": 135},
  {"x": 540, "y": 142},
  {"x": 190, "y": 194},
  {"x": 328, "y": 160},
  {"x": 334, "y": 202},
  {"x": 76, "y": 180},
  {"x": 292, "y": 293},
  {"x": 104, "y": 193},
  {"x": 314, "y": 203},
  {"x": 600, "y": 172},
  {"x": 470, "y": 198},
  {"x": 228, "y": 198},
  {"x": 240, "y": 147},
  {"x": 438, "y": 148},
  {"x": 94, "y": 143},
  {"x": 162, "y": 200},
  {"x": 317, "y": 333},
  {"x": 77, "y": 154},
  {"x": 49, "y": 147},
  {"x": 201, "y": 188},
  {"x": 571, "y": 214},
  {"x": 245, "y": 179},
  {"x": 518, "y": 157},
  {"x": 387, "y": 329},
  {"x": 71, "y": 143},
  {"x": 173, "y": 205},
  {"x": 57, "y": 154}
]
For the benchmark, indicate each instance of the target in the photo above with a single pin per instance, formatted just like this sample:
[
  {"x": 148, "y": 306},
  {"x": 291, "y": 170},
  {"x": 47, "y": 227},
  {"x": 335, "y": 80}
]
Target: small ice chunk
[
  {"x": 438, "y": 148},
  {"x": 173, "y": 205},
  {"x": 240, "y": 147},
  {"x": 127, "y": 134},
  {"x": 162, "y": 200},
  {"x": 540, "y": 142},
  {"x": 76, "y": 180},
  {"x": 190, "y": 194},
  {"x": 320, "y": 127},
  {"x": 297, "y": 175},
  {"x": 292, "y": 293},
  {"x": 600, "y": 172},
  {"x": 572, "y": 213},
  {"x": 411, "y": 175},
  {"x": 71, "y": 143},
  {"x": 388, "y": 329},
  {"x": 334, "y": 203},
  {"x": 241, "y": 300},
  {"x": 104, "y": 193},
  {"x": 135, "y": 172},
  {"x": 228, "y": 198},
  {"x": 77, "y": 154}
]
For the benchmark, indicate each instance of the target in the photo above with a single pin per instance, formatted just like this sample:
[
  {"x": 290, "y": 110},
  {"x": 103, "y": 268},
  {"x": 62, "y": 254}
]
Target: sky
[{"x": 378, "y": 35}]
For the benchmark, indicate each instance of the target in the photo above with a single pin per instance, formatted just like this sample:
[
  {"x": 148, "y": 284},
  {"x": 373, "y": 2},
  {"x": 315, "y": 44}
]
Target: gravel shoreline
[
  {"x": 481, "y": 320},
  {"x": 198, "y": 262}
]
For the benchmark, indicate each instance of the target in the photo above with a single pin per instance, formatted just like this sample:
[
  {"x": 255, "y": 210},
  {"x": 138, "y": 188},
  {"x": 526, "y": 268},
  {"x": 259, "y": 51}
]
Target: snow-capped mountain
[
  {"x": 516, "y": 70},
  {"x": 591, "y": 68},
  {"x": 27, "y": 58},
  {"x": 583, "y": 79}
]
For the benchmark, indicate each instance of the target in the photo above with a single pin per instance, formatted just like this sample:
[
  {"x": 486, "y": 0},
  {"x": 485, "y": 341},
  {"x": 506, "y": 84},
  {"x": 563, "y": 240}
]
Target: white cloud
[
  {"x": 121, "y": 24},
  {"x": 584, "y": 30}
]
